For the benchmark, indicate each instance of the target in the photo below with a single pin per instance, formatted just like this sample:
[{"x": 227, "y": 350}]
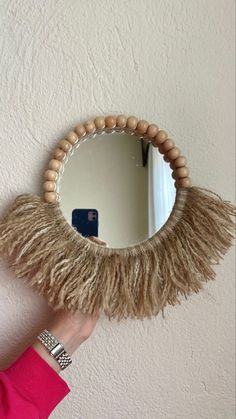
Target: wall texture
[{"x": 170, "y": 62}]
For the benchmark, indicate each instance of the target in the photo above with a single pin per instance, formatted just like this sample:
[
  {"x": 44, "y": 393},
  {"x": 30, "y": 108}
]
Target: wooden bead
[
  {"x": 179, "y": 162},
  {"x": 184, "y": 183},
  {"x": 181, "y": 172},
  {"x": 152, "y": 130},
  {"x": 50, "y": 197},
  {"x": 173, "y": 153},
  {"x": 166, "y": 158},
  {"x": 54, "y": 165},
  {"x": 99, "y": 122},
  {"x": 166, "y": 146},
  {"x": 65, "y": 145},
  {"x": 49, "y": 186},
  {"x": 110, "y": 121},
  {"x": 89, "y": 126},
  {"x": 80, "y": 130},
  {"x": 59, "y": 154},
  {"x": 132, "y": 122},
  {"x": 121, "y": 121},
  {"x": 142, "y": 126},
  {"x": 50, "y": 175},
  {"x": 72, "y": 137},
  {"x": 160, "y": 138}
]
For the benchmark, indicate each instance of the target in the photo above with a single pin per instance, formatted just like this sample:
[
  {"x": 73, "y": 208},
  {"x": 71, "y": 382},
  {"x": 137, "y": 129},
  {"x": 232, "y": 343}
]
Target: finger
[{"x": 96, "y": 240}]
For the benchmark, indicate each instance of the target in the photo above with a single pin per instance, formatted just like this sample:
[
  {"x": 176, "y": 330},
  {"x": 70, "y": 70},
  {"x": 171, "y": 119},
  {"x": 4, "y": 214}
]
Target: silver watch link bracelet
[{"x": 55, "y": 348}]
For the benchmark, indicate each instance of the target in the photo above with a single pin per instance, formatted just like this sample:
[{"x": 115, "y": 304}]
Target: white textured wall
[{"x": 170, "y": 62}]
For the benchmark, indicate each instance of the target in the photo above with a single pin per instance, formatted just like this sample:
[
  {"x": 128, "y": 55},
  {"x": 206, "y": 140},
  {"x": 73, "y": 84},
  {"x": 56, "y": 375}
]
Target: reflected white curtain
[{"x": 161, "y": 191}]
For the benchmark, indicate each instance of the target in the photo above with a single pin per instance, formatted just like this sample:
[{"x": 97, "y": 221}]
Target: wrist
[
  {"x": 67, "y": 331},
  {"x": 68, "y": 338}
]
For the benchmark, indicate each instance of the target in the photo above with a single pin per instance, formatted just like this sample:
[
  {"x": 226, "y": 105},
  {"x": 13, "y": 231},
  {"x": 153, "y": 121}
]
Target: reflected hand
[{"x": 97, "y": 240}]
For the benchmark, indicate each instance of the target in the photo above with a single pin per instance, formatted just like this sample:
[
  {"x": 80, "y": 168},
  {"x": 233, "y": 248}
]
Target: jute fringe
[{"x": 139, "y": 281}]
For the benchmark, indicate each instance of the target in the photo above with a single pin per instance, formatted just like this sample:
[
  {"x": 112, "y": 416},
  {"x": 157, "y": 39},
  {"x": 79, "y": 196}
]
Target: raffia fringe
[{"x": 139, "y": 281}]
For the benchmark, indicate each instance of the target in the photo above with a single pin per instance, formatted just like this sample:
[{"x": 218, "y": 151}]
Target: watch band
[{"x": 55, "y": 348}]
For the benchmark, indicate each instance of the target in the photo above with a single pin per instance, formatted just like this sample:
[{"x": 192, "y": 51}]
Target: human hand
[
  {"x": 73, "y": 329},
  {"x": 97, "y": 240}
]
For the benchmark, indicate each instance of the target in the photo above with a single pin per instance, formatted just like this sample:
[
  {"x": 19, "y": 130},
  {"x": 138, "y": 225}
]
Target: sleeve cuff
[{"x": 35, "y": 379}]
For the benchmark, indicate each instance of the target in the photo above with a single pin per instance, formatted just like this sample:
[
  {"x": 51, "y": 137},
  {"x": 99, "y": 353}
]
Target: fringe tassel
[{"x": 139, "y": 281}]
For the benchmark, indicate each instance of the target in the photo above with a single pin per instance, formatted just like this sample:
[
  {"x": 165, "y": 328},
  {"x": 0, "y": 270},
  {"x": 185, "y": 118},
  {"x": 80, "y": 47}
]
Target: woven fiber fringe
[{"x": 73, "y": 273}]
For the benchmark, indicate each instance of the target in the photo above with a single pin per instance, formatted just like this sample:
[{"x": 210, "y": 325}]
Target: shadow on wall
[{"x": 16, "y": 342}]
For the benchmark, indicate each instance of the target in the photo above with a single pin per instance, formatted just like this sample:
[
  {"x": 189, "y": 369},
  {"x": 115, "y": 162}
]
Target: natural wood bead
[
  {"x": 179, "y": 162},
  {"x": 166, "y": 146},
  {"x": 89, "y": 126},
  {"x": 121, "y": 121},
  {"x": 65, "y": 145},
  {"x": 152, "y": 130},
  {"x": 54, "y": 165},
  {"x": 181, "y": 172},
  {"x": 80, "y": 130},
  {"x": 50, "y": 175},
  {"x": 173, "y": 153},
  {"x": 132, "y": 122},
  {"x": 49, "y": 186},
  {"x": 59, "y": 154},
  {"x": 183, "y": 183},
  {"x": 50, "y": 197},
  {"x": 99, "y": 122},
  {"x": 110, "y": 121},
  {"x": 160, "y": 138},
  {"x": 166, "y": 158},
  {"x": 72, "y": 137},
  {"x": 142, "y": 126}
]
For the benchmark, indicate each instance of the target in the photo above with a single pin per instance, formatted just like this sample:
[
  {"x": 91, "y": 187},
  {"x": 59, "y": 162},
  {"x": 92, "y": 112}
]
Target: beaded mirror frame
[{"x": 75, "y": 273}]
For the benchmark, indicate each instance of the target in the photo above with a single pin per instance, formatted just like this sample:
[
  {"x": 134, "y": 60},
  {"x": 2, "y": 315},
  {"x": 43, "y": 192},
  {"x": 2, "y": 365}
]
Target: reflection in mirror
[{"x": 117, "y": 187}]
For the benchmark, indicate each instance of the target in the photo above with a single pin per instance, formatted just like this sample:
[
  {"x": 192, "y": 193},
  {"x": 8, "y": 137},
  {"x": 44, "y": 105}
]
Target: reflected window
[{"x": 161, "y": 191}]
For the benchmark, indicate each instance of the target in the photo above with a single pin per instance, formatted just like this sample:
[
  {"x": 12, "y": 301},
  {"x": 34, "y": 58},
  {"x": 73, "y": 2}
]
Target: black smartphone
[{"x": 85, "y": 221}]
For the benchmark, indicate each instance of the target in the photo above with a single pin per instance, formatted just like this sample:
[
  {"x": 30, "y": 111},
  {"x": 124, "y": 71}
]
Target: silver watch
[{"x": 55, "y": 349}]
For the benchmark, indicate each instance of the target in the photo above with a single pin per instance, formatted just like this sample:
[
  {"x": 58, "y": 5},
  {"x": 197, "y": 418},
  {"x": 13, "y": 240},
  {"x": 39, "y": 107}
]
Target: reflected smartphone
[{"x": 85, "y": 221}]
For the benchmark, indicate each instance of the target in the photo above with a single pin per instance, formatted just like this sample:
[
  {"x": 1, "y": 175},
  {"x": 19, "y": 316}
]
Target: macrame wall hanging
[{"x": 138, "y": 281}]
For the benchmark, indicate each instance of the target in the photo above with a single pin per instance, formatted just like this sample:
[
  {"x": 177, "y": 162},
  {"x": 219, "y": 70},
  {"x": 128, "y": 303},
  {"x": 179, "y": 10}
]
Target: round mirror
[
  {"x": 109, "y": 178},
  {"x": 116, "y": 186}
]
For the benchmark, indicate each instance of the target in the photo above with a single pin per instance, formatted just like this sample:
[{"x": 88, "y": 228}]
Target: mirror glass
[{"x": 117, "y": 187}]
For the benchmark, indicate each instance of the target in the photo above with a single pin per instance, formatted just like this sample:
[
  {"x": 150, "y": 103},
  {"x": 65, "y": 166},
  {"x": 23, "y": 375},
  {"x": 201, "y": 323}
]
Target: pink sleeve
[{"x": 30, "y": 388}]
